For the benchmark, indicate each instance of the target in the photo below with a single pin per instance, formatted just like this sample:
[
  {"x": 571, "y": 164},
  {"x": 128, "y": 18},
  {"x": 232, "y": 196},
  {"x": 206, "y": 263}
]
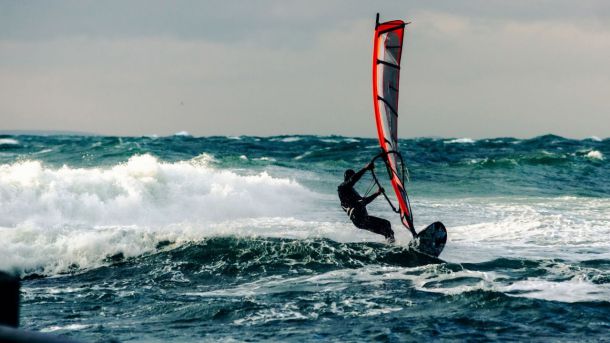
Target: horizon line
[{"x": 43, "y": 133}]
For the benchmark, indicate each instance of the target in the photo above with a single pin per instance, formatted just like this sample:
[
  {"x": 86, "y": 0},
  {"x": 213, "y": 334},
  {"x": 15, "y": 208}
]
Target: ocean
[{"x": 181, "y": 238}]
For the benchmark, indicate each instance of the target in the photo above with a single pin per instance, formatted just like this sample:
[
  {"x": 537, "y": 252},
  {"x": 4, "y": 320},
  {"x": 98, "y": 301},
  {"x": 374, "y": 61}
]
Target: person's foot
[{"x": 390, "y": 240}]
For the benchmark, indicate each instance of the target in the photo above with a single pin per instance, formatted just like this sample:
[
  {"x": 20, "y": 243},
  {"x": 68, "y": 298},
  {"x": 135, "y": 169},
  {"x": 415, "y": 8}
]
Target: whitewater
[{"x": 242, "y": 238}]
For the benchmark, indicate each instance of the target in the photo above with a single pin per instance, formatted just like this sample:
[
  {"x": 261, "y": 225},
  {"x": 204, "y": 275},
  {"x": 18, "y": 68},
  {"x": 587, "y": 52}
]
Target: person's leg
[{"x": 379, "y": 226}]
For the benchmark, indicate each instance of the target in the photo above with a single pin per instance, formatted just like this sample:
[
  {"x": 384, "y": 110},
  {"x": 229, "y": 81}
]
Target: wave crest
[
  {"x": 53, "y": 217},
  {"x": 142, "y": 190}
]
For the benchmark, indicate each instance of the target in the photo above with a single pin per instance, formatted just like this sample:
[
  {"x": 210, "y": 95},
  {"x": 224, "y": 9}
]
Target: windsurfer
[{"x": 355, "y": 205}]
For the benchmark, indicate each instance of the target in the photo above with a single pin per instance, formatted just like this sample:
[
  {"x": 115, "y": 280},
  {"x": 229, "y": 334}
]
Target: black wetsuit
[{"x": 355, "y": 206}]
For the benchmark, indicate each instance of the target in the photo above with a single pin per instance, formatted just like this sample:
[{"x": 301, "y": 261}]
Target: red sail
[{"x": 387, "y": 52}]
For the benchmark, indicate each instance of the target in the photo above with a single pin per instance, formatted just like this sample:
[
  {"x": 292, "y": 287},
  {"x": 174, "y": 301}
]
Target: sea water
[{"x": 242, "y": 239}]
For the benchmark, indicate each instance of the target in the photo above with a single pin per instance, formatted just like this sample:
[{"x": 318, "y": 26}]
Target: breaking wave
[{"x": 52, "y": 218}]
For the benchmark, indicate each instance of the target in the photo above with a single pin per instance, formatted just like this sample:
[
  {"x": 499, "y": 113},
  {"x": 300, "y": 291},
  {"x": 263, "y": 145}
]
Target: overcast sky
[{"x": 470, "y": 68}]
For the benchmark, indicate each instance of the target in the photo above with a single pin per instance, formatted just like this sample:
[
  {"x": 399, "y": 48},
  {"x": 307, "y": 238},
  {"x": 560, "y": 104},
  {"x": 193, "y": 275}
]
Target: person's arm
[
  {"x": 352, "y": 181},
  {"x": 370, "y": 198}
]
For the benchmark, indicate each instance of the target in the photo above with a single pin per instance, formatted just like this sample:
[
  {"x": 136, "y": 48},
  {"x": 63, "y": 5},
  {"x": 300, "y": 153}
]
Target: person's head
[{"x": 348, "y": 174}]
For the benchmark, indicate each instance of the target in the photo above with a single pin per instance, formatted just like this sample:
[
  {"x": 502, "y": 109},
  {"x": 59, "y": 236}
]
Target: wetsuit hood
[{"x": 348, "y": 174}]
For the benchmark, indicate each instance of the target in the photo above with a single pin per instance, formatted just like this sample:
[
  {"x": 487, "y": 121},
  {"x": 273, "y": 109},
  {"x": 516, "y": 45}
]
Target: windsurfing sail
[{"x": 387, "y": 51}]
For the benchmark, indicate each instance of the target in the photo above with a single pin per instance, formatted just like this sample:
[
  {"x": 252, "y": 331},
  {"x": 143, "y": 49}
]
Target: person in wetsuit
[{"x": 355, "y": 205}]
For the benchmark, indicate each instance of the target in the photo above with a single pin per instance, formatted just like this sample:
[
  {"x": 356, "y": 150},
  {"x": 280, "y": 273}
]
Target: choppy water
[{"x": 241, "y": 238}]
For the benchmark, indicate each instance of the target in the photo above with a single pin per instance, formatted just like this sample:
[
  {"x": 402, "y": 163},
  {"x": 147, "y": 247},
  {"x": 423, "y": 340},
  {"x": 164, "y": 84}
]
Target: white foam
[
  {"x": 574, "y": 290},
  {"x": 264, "y": 158},
  {"x": 8, "y": 141},
  {"x": 576, "y": 287},
  {"x": 595, "y": 138},
  {"x": 596, "y": 155},
  {"x": 290, "y": 139},
  {"x": 307, "y": 153},
  {"x": 182, "y": 133},
  {"x": 70, "y": 327},
  {"x": 51, "y": 218},
  {"x": 460, "y": 141},
  {"x": 482, "y": 229},
  {"x": 317, "y": 285}
]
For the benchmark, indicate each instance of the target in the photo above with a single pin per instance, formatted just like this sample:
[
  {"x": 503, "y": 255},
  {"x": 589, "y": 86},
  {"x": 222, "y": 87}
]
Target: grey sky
[{"x": 470, "y": 68}]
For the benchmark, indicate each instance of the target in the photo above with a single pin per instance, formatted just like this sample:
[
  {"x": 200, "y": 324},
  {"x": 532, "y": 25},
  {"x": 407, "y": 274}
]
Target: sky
[{"x": 472, "y": 68}]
